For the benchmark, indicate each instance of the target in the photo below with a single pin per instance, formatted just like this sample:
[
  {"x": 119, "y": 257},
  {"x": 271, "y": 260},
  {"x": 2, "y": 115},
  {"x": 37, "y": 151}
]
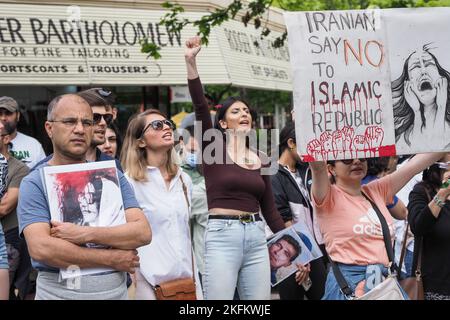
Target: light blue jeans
[
  {"x": 236, "y": 254},
  {"x": 3, "y": 253}
]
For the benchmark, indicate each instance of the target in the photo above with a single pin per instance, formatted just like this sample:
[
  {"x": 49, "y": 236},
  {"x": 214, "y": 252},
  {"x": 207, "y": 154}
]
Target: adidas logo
[{"x": 369, "y": 224}]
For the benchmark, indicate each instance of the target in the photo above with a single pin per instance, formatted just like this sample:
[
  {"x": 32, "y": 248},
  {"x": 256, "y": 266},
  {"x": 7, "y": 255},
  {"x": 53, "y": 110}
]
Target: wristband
[{"x": 438, "y": 201}]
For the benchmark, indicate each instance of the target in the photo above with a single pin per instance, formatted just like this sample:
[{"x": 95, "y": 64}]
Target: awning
[{"x": 71, "y": 45}]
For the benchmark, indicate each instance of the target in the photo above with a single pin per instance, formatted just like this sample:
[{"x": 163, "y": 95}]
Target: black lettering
[
  {"x": 52, "y": 32},
  {"x": 93, "y": 30},
  {"x": 310, "y": 40},
  {"x": 319, "y": 18},
  {"x": 67, "y": 33},
  {"x": 132, "y": 32},
  {"x": 117, "y": 33},
  {"x": 2, "y": 39},
  {"x": 36, "y": 28},
  {"x": 171, "y": 37},
  {"x": 316, "y": 123},
  {"x": 14, "y": 30},
  {"x": 104, "y": 22},
  {"x": 160, "y": 35}
]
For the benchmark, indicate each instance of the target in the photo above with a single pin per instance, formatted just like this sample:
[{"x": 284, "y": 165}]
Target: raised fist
[
  {"x": 327, "y": 144},
  {"x": 348, "y": 134},
  {"x": 338, "y": 144},
  {"x": 374, "y": 138},
  {"x": 359, "y": 143},
  {"x": 193, "y": 46},
  {"x": 314, "y": 149}
]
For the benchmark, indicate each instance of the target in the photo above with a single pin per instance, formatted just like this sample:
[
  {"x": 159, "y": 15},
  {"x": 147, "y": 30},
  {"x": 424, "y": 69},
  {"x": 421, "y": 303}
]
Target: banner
[{"x": 345, "y": 104}]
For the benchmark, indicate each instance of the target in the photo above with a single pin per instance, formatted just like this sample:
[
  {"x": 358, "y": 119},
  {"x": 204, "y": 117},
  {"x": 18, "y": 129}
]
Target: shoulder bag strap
[
  {"x": 189, "y": 228},
  {"x": 403, "y": 252},
  {"x": 343, "y": 284},
  {"x": 386, "y": 234}
]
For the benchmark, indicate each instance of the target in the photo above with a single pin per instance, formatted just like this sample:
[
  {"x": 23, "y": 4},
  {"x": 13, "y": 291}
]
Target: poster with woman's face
[
  {"x": 85, "y": 194},
  {"x": 419, "y": 59}
]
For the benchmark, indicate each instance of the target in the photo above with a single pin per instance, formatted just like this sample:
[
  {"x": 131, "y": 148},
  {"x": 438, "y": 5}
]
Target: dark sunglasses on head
[
  {"x": 159, "y": 125},
  {"x": 350, "y": 161},
  {"x": 107, "y": 116},
  {"x": 104, "y": 92}
]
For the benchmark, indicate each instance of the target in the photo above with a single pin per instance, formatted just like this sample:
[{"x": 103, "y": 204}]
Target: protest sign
[
  {"x": 85, "y": 194},
  {"x": 341, "y": 84}
]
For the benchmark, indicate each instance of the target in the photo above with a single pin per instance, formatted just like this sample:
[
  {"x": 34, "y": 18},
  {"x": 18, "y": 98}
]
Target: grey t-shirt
[
  {"x": 33, "y": 205},
  {"x": 16, "y": 172}
]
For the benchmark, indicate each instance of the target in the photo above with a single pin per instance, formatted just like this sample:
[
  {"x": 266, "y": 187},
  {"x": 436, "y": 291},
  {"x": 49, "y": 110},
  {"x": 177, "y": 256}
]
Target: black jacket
[
  {"x": 436, "y": 240},
  {"x": 285, "y": 190}
]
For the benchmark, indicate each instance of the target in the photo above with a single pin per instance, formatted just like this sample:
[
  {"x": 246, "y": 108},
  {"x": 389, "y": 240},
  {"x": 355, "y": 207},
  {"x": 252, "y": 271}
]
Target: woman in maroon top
[{"x": 235, "y": 244}]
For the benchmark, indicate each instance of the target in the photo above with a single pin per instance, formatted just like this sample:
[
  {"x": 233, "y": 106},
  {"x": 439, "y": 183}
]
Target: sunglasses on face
[
  {"x": 158, "y": 125},
  {"x": 107, "y": 117},
  {"x": 350, "y": 161}
]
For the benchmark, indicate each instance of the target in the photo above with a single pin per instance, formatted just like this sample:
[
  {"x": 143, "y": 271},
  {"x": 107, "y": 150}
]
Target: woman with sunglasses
[
  {"x": 164, "y": 193},
  {"x": 235, "y": 244},
  {"x": 429, "y": 218},
  {"x": 348, "y": 222}
]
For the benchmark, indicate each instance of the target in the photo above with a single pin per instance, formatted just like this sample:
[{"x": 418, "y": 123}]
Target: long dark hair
[
  {"x": 114, "y": 128},
  {"x": 223, "y": 107},
  {"x": 403, "y": 114}
]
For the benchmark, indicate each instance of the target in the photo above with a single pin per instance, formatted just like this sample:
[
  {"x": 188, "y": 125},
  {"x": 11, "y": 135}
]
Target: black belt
[{"x": 242, "y": 217}]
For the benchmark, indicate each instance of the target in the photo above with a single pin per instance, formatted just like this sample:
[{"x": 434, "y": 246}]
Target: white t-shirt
[{"x": 27, "y": 149}]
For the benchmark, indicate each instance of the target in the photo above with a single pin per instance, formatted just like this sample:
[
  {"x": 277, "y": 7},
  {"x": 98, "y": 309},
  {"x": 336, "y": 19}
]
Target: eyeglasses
[
  {"x": 104, "y": 92},
  {"x": 158, "y": 125},
  {"x": 72, "y": 122},
  {"x": 107, "y": 116},
  {"x": 350, "y": 161}
]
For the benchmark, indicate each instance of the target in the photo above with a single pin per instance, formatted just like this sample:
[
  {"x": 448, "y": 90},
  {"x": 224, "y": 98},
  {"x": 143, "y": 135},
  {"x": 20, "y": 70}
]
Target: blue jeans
[
  {"x": 409, "y": 255},
  {"x": 353, "y": 274},
  {"x": 236, "y": 254},
  {"x": 3, "y": 253}
]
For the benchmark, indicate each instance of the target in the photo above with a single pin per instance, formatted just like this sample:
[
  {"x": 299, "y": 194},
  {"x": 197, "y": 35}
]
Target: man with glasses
[
  {"x": 97, "y": 98},
  {"x": 19, "y": 260},
  {"x": 55, "y": 245},
  {"x": 24, "y": 148}
]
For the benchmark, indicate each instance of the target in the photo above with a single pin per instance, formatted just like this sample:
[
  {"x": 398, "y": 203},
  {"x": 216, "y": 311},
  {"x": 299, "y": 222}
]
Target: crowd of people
[{"x": 189, "y": 217}]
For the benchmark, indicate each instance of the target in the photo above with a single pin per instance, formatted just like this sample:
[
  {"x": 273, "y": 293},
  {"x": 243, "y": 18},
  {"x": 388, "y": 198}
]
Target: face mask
[{"x": 191, "y": 159}]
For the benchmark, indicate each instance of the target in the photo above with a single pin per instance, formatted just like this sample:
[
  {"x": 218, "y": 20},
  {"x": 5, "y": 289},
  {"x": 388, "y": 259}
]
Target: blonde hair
[{"x": 134, "y": 158}]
